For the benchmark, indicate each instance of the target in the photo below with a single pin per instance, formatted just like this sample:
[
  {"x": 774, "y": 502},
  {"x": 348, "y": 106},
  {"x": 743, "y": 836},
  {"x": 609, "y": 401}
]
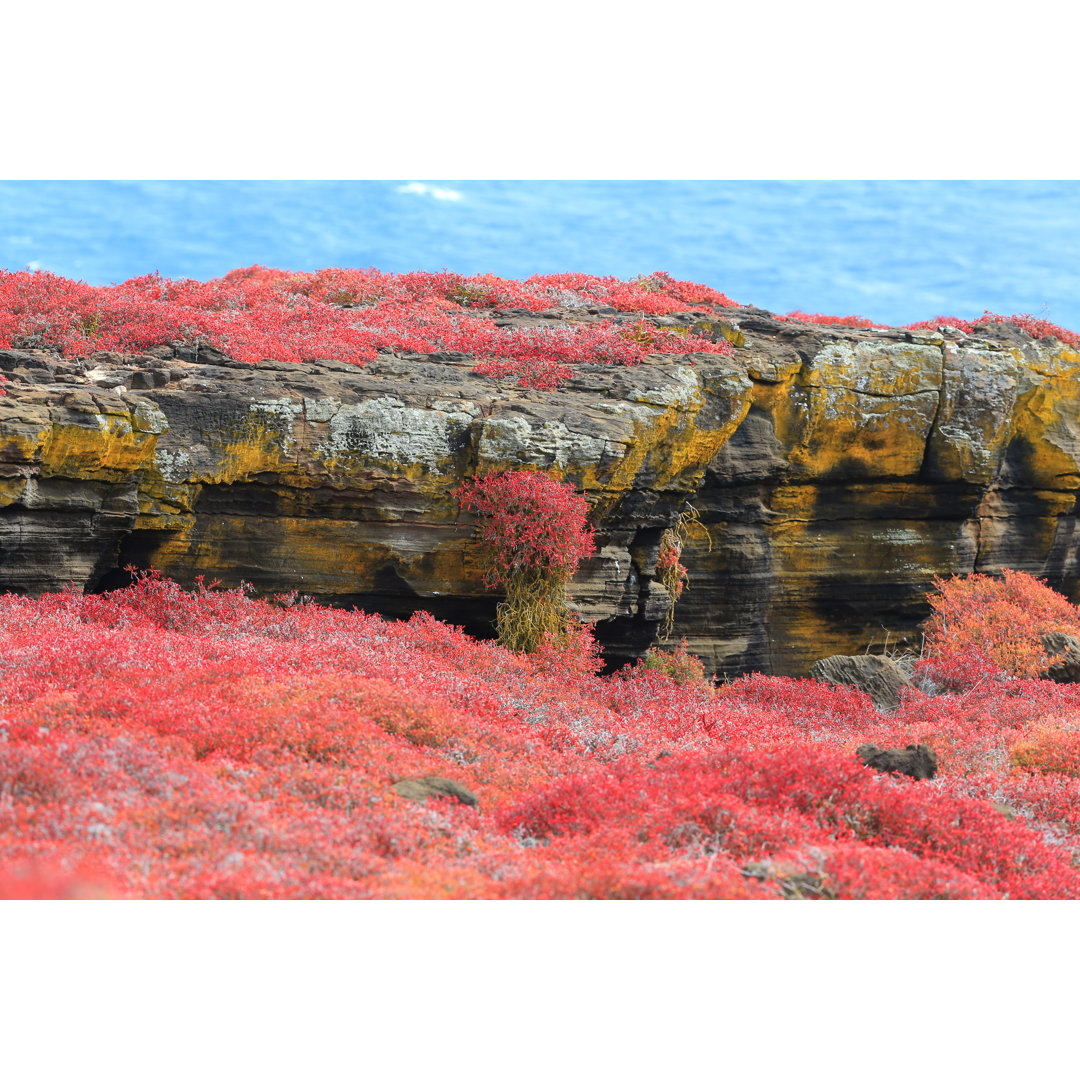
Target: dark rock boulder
[
  {"x": 421, "y": 788},
  {"x": 879, "y": 676},
  {"x": 1065, "y": 646},
  {"x": 918, "y": 762}
]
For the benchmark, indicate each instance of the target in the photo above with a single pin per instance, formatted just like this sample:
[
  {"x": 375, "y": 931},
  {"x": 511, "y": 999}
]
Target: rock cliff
[{"x": 836, "y": 472}]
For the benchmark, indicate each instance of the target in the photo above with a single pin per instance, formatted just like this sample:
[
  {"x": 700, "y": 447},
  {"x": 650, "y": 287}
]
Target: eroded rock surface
[{"x": 836, "y": 472}]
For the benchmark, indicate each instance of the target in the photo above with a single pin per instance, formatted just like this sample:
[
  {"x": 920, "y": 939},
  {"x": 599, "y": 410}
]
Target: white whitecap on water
[{"x": 416, "y": 188}]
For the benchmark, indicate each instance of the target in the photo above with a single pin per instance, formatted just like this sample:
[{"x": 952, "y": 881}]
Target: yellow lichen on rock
[
  {"x": 670, "y": 442},
  {"x": 11, "y": 490},
  {"x": 318, "y": 554},
  {"x": 1046, "y": 435},
  {"x": 108, "y": 448},
  {"x": 252, "y": 446},
  {"x": 22, "y": 437},
  {"x": 862, "y": 410}
]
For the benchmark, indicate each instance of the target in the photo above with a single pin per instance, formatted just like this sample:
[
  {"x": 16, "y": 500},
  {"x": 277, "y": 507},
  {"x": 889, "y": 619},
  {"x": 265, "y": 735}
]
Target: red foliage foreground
[{"x": 162, "y": 743}]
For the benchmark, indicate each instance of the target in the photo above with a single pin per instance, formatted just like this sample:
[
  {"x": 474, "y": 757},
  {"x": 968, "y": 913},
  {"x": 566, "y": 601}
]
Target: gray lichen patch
[
  {"x": 388, "y": 431},
  {"x": 282, "y": 414},
  {"x": 175, "y": 466},
  {"x": 148, "y": 418}
]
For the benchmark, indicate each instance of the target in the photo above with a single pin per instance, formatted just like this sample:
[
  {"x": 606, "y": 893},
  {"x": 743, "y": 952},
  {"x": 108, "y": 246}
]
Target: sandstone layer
[{"x": 836, "y": 473}]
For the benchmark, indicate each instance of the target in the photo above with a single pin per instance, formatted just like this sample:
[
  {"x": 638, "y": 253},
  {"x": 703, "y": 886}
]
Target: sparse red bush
[
  {"x": 831, "y": 320},
  {"x": 678, "y": 664},
  {"x": 1037, "y": 328}
]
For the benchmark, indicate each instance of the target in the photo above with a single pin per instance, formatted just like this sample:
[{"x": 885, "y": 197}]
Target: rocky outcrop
[
  {"x": 836, "y": 472},
  {"x": 879, "y": 676},
  {"x": 1065, "y": 650}
]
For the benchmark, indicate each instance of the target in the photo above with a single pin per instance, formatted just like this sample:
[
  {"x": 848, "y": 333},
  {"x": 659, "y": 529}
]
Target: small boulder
[
  {"x": 1067, "y": 649},
  {"x": 879, "y": 676},
  {"x": 421, "y": 788},
  {"x": 919, "y": 762}
]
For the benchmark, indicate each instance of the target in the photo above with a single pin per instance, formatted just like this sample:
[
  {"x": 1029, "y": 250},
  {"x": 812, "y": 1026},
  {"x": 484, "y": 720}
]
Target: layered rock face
[{"x": 836, "y": 472}]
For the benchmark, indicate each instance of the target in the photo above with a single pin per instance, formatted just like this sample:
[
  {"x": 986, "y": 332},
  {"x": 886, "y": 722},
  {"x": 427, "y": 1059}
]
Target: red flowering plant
[{"x": 533, "y": 532}]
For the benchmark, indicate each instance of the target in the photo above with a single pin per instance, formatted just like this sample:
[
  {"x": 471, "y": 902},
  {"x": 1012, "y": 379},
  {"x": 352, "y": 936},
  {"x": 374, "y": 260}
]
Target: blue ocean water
[{"x": 891, "y": 251}]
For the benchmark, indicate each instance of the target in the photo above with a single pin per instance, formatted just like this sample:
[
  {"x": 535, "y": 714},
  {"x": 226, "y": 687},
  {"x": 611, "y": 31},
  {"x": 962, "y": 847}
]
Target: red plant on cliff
[
  {"x": 351, "y": 315},
  {"x": 528, "y": 522},
  {"x": 1039, "y": 329},
  {"x": 533, "y": 532},
  {"x": 831, "y": 320}
]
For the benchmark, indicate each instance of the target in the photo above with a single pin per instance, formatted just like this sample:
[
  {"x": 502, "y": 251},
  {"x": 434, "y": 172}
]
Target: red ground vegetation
[
  {"x": 162, "y": 743},
  {"x": 855, "y": 321},
  {"x": 258, "y": 313},
  {"x": 1037, "y": 328},
  {"x": 351, "y": 315}
]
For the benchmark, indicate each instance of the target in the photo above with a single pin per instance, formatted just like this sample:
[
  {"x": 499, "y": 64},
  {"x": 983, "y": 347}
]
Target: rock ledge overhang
[{"x": 836, "y": 472}]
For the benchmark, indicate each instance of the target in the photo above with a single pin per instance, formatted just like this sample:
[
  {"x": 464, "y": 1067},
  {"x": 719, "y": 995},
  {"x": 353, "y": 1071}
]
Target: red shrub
[{"x": 978, "y": 619}]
